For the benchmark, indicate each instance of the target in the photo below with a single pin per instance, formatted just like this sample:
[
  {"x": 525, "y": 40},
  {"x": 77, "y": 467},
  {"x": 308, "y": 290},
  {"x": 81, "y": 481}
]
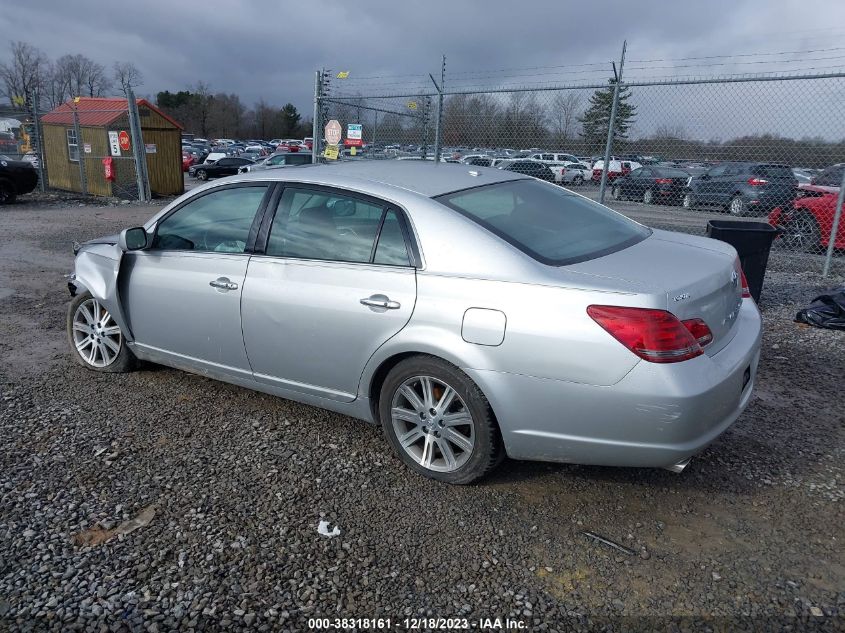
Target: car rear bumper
[{"x": 656, "y": 416}]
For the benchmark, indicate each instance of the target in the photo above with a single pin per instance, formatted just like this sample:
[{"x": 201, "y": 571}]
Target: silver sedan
[{"x": 474, "y": 313}]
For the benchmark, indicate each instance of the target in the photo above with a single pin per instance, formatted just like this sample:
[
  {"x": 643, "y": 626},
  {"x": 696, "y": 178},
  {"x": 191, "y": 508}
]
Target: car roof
[{"x": 427, "y": 178}]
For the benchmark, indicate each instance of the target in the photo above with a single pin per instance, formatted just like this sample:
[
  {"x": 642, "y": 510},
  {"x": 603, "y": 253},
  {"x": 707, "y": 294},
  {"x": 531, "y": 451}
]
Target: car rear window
[
  {"x": 548, "y": 223},
  {"x": 773, "y": 171}
]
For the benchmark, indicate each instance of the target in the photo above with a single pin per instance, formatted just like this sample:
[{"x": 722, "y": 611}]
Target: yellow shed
[{"x": 104, "y": 132}]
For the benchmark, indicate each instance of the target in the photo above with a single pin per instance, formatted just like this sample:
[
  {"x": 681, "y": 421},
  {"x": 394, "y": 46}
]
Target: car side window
[
  {"x": 298, "y": 159},
  {"x": 215, "y": 222},
  {"x": 226, "y": 162},
  {"x": 638, "y": 173},
  {"x": 312, "y": 224},
  {"x": 391, "y": 248}
]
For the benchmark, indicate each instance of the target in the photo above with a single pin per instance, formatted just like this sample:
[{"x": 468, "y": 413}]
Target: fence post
[
  {"x": 36, "y": 132},
  {"x": 139, "y": 151},
  {"x": 80, "y": 155},
  {"x": 437, "y": 133},
  {"x": 609, "y": 146},
  {"x": 315, "y": 128},
  {"x": 834, "y": 229}
]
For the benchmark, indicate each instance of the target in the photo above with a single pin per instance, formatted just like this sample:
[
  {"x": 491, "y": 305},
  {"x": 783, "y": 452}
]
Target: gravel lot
[{"x": 748, "y": 538}]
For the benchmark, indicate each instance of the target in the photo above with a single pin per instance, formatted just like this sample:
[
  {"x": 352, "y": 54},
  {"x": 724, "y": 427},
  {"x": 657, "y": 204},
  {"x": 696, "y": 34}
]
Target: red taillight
[
  {"x": 663, "y": 181},
  {"x": 699, "y": 330},
  {"x": 756, "y": 182},
  {"x": 746, "y": 292},
  {"x": 654, "y": 335}
]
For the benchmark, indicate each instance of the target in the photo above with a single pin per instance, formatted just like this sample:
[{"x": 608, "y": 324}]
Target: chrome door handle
[
  {"x": 223, "y": 283},
  {"x": 380, "y": 301}
]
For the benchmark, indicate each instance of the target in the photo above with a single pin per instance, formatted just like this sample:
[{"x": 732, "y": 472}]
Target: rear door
[{"x": 332, "y": 280}]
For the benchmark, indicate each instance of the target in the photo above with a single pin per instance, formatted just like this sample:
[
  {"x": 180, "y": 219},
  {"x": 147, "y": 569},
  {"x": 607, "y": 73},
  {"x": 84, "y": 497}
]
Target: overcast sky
[{"x": 270, "y": 49}]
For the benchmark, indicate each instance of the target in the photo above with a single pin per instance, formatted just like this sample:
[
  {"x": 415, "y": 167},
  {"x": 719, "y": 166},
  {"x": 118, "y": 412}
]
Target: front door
[
  {"x": 182, "y": 296},
  {"x": 336, "y": 280}
]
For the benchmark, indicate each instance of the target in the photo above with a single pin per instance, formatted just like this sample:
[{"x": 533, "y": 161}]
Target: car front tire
[
  {"x": 96, "y": 341},
  {"x": 648, "y": 196},
  {"x": 438, "y": 421},
  {"x": 202, "y": 174},
  {"x": 688, "y": 202},
  {"x": 616, "y": 192}
]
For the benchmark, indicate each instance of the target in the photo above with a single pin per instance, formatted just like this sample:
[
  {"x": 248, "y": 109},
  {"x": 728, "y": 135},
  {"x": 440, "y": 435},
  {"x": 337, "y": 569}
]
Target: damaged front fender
[{"x": 96, "y": 269}]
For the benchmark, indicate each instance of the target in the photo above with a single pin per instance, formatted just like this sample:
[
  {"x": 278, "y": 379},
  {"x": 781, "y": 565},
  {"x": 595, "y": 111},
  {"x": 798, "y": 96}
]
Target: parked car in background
[
  {"x": 616, "y": 169},
  {"x": 559, "y": 331},
  {"x": 282, "y": 159},
  {"x": 227, "y": 166},
  {"x": 17, "y": 177},
  {"x": 557, "y": 157},
  {"x": 743, "y": 188},
  {"x": 571, "y": 173},
  {"x": 808, "y": 223},
  {"x": 308, "y": 142},
  {"x": 830, "y": 177},
  {"x": 212, "y": 158},
  {"x": 187, "y": 161},
  {"x": 531, "y": 168},
  {"x": 652, "y": 185},
  {"x": 289, "y": 145}
]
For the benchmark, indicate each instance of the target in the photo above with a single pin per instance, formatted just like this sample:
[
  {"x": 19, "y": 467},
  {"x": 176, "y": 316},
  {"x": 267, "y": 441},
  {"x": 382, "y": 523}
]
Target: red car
[
  {"x": 808, "y": 224},
  {"x": 187, "y": 161},
  {"x": 288, "y": 146}
]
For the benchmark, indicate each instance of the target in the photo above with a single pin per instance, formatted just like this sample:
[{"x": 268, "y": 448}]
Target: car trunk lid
[{"x": 696, "y": 277}]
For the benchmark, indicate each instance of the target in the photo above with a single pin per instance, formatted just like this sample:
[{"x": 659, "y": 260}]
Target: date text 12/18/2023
[{"x": 418, "y": 624}]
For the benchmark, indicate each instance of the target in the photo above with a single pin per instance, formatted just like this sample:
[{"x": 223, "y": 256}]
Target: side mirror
[{"x": 133, "y": 239}]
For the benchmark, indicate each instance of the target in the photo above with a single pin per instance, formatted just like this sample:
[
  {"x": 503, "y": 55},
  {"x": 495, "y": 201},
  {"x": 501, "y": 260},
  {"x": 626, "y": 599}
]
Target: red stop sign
[{"x": 123, "y": 139}]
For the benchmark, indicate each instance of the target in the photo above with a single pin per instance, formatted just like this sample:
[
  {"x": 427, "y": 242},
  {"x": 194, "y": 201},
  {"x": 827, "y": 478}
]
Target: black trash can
[{"x": 752, "y": 241}]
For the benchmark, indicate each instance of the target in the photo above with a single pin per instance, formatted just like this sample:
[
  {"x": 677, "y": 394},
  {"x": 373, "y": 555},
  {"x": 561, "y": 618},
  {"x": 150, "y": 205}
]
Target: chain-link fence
[
  {"x": 91, "y": 146},
  {"x": 768, "y": 147}
]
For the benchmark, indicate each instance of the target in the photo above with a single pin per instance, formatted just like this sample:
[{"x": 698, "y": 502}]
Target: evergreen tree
[
  {"x": 596, "y": 119},
  {"x": 289, "y": 120}
]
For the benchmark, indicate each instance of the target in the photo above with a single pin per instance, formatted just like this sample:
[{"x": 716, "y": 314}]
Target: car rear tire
[
  {"x": 438, "y": 421},
  {"x": 95, "y": 340},
  {"x": 202, "y": 174},
  {"x": 8, "y": 194},
  {"x": 737, "y": 207},
  {"x": 648, "y": 196},
  {"x": 802, "y": 233},
  {"x": 578, "y": 181}
]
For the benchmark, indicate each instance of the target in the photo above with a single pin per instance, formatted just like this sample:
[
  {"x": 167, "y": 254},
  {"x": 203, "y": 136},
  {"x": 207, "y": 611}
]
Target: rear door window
[
  {"x": 546, "y": 222},
  {"x": 320, "y": 224}
]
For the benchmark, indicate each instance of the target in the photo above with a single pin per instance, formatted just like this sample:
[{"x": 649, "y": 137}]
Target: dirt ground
[{"x": 749, "y": 537}]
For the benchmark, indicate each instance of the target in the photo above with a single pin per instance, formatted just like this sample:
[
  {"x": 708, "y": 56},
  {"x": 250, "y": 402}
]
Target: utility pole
[
  {"x": 609, "y": 146},
  {"x": 437, "y": 129}
]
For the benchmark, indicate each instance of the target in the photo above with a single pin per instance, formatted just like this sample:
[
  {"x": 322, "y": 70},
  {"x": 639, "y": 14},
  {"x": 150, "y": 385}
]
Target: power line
[
  {"x": 767, "y": 61},
  {"x": 683, "y": 59}
]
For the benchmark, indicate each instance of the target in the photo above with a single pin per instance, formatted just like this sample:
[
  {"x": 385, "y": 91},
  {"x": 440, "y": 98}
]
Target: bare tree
[
  {"x": 126, "y": 75},
  {"x": 564, "y": 111},
  {"x": 25, "y": 72},
  {"x": 76, "y": 76}
]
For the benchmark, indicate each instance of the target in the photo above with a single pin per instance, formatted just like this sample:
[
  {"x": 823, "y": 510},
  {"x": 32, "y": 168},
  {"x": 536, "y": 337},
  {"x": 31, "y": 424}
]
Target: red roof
[{"x": 97, "y": 111}]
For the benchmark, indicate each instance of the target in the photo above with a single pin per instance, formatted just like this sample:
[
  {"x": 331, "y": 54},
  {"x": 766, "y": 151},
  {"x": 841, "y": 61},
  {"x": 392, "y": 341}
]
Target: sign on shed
[
  {"x": 123, "y": 137},
  {"x": 114, "y": 143}
]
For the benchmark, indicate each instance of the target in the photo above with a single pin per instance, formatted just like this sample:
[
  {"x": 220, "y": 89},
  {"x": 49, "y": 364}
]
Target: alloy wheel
[
  {"x": 96, "y": 336},
  {"x": 432, "y": 423},
  {"x": 737, "y": 206},
  {"x": 648, "y": 196},
  {"x": 687, "y": 201}
]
